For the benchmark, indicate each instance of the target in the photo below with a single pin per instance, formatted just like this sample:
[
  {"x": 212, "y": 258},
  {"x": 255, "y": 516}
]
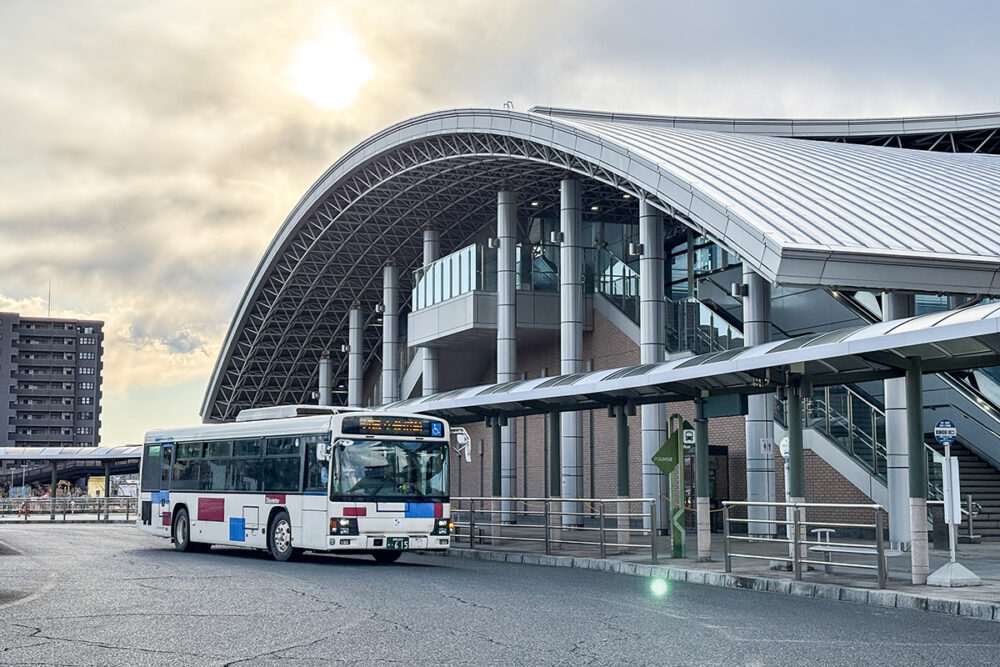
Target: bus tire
[
  {"x": 386, "y": 557},
  {"x": 182, "y": 531},
  {"x": 279, "y": 537}
]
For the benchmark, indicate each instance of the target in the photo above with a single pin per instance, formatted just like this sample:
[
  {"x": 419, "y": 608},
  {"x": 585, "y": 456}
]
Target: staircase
[{"x": 980, "y": 480}]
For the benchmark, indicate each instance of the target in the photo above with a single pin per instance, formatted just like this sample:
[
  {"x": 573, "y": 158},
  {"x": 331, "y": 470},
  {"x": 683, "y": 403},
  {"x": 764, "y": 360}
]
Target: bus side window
[
  {"x": 315, "y": 479},
  {"x": 151, "y": 468}
]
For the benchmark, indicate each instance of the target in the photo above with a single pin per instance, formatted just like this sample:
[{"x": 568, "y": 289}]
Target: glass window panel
[
  {"x": 219, "y": 449},
  {"x": 247, "y": 448},
  {"x": 317, "y": 471},
  {"x": 151, "y": 468},
  {"x": 285, "y": 446},
  {"x": 189, "y": 450},
  {"x": 213, "y": 475},
  {"x": 282, "y": 473},
  {"x": 245, "y": 474},
  {"x": 185, "y": 474}
]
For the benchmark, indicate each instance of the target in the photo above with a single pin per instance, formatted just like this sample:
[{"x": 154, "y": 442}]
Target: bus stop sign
[{"x": 945, "y": 432}]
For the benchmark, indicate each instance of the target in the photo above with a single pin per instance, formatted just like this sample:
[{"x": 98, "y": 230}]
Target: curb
[{"x": 986, "y": 611}]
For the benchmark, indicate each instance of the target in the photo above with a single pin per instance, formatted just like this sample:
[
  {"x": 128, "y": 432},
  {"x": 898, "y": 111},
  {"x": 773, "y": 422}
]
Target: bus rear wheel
[
  {"x": 182, "y": 534},
  {"x": 279, "y": 538},
  {"x": 182, "y": 531},
  {"x": 386, "y": 557}
]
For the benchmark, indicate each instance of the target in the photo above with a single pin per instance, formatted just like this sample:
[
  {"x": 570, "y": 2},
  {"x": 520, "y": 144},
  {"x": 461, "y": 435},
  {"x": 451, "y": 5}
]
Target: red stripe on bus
[
  {"x": 355, "y": 511},
  {"x": 438, "y": 510},
  {"x": 212, "y": 509},
  {"x": 166, "y": 518}
]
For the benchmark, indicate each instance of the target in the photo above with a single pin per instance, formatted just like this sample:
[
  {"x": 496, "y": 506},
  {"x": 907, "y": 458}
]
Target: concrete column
[
  {"x": 919, "y": 563},
  {"x": 325, "y": 388},
  {"x": 571, "y": 342},
  {"x": 355, "y": 357},
  {"x": 429, "y": 374},
  {"x": 621, "y": 435},
  {"x": 760, "y": 409},
  {"x": 390, "y": 334},
  {"x": 703, "y": 493},
  {"x": 107, "y": 489},
  {"x": 555, "y": 456},
  {"x": 52, "y": 491},
  {"x": 506, "y": 323},
  {"x": 651, "y": 350},
  {"x": 896, "y": 305}
]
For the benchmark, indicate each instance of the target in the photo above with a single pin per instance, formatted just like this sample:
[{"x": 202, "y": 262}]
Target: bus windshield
[{"x": 389, "y": 470}]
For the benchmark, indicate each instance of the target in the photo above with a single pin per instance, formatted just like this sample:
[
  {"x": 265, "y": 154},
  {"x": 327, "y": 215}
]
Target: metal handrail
[
  {"x": 799, "y": 545},
  {"x": 553, "y": 531}
]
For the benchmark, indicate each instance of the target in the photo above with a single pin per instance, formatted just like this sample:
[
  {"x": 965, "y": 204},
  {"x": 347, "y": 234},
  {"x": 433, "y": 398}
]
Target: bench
[{"x": 827, "y": 549}]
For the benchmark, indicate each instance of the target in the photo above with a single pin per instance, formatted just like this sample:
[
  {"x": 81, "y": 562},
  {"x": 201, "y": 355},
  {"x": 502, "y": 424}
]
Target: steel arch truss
[{"x": 334, "y": 257}]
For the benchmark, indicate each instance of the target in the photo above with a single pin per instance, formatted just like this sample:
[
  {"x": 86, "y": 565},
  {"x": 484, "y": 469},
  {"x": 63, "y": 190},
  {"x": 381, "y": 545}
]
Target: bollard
[
  {"x": 880, "y": 546},
  {"x": 548, "y": 533},
  {"x": 652, "y": 532},
  {"x": 472, "y": 524},
  {"x": 797, "y": 559},
  {"x": 604, "y": 549},
  {"x": 725, "y": 538}
]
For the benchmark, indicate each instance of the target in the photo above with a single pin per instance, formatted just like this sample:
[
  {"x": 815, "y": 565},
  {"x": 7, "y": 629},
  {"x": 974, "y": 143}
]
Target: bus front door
[{"x": 161, "y": 498}]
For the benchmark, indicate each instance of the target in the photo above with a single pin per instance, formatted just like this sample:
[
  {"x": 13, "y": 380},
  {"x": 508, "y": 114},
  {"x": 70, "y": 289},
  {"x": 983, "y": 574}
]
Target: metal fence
[
  {"x": 602, "y": 525},
  {"x": 798, "y": 550},
  {"x": 69, "y": 509}
]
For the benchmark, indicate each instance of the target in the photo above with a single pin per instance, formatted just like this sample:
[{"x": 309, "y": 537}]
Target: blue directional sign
[{"x": 945, "y": 432}]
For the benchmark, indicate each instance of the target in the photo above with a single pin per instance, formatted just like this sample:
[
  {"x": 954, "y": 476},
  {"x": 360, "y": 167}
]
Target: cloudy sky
[{"x": 151, "y": 149}]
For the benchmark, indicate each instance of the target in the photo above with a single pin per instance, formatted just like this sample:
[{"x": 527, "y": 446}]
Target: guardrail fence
[
  {"x": 799, "y": 549},
  {"x": 69, "y": 509},
  {"x": 604, "y": 525}
]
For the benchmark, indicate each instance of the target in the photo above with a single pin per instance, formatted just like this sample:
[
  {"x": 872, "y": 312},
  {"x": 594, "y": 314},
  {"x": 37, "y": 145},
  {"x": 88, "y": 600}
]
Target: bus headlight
[
  {"x": 347, "y": 526},
  {"x": 441, "y": 527}
]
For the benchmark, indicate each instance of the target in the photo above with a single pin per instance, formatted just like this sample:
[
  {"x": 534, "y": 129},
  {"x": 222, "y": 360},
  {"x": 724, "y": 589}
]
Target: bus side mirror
[
  {"x": 323, "y": 451},
  {"x": 464, "y": 442}
]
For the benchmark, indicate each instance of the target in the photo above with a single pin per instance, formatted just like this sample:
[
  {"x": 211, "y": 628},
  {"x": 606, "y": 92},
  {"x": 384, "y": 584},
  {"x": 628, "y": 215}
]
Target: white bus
[{"x": 292, "y": 478}]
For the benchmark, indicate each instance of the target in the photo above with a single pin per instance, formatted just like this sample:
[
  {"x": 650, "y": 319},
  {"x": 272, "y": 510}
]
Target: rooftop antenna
[
  {"x": 508, "y": 105},
  {"x": 50, "y": 299}
]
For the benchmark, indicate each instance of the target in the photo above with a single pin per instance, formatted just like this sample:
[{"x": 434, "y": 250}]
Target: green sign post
[{"x": 680, "y": 437}]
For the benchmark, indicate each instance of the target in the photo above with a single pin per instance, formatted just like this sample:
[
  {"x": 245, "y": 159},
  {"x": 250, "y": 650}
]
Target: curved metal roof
[
  {"x": 833, "y": 128},
  {"x": 71, "y": 453},
  {"x": 951, "y": 340},
  {"x": 798, "y": 212}
]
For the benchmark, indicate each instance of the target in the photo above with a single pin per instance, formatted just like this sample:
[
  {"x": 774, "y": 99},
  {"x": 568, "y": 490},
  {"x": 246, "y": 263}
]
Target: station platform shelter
[{"x": 466, "y": 256}]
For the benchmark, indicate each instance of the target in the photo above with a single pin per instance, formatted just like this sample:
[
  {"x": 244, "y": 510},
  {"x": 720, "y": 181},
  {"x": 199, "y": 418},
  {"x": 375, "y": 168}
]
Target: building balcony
[
  {"x": 44, "y": 392},
  {"x": 40, "y": 423},
  {"x": 39, "y": 439},
  {"x": 44, "y": 377}
]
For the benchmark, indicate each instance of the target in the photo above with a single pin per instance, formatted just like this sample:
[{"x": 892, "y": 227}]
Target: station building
[{"x": 472, "y": 247}]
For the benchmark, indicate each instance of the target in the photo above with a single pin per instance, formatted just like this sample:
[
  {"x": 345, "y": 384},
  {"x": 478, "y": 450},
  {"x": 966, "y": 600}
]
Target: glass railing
[
  {"x": 463, "y": 271},
  {"x": 691, "y": 325},
  {"x": 855, "y": 423},
  {"x": 618, "y": 283}
]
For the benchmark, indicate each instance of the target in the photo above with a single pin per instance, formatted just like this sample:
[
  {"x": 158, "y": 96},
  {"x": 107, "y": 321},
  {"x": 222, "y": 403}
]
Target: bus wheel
[
  {"x": 386, "y": 557},
  {"x": 182, "y": 531},
  {"x": 279, "y": 537}
]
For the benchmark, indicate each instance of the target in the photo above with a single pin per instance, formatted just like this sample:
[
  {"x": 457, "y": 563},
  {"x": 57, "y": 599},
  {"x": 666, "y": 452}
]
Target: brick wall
[{"x": 608, "y": 347}]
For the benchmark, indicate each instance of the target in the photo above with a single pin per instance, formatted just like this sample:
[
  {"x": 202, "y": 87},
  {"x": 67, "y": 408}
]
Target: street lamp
[{"x": 24, "y": 468}]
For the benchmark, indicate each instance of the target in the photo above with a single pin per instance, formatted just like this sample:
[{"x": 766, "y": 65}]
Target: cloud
[{"x": 151, "y": 150}]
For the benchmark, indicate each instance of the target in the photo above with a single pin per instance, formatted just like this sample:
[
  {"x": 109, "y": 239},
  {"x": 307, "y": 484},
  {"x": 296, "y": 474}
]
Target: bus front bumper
[{"x": 391, "y": 542}]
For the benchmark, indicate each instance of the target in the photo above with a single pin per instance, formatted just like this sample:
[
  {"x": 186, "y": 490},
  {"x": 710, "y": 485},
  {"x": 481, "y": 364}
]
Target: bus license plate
[{"x": 397, "y": 543}]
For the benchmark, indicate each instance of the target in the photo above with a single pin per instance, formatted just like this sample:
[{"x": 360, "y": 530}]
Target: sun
[{"x": 330, "y": 72}]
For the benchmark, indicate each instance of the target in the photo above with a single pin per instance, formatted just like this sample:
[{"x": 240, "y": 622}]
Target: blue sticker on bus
[
  {"x": 237, "y": 529},
  {"x": 437, "y": 429},
  {"x": 419, "y": 511}
]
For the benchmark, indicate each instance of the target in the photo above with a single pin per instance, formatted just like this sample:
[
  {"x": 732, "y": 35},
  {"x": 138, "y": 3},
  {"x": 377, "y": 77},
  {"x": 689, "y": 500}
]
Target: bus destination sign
[{"x": 370, "y": 425}]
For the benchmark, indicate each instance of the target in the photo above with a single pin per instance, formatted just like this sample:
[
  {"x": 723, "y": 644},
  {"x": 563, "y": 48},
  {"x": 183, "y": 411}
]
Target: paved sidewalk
[{"x": 843, "y": 583}]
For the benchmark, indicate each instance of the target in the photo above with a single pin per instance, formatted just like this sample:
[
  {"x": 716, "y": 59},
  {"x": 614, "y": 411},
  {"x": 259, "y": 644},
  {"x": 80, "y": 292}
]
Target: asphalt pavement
[{"x": 96, "y": 594}]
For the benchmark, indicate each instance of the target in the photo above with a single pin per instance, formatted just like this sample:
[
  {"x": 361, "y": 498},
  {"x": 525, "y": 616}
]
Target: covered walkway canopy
[
  {"x": 71, "y": 453},
  {"x": 813, "y": 213},
  {"x": 952, "y": 340}
]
